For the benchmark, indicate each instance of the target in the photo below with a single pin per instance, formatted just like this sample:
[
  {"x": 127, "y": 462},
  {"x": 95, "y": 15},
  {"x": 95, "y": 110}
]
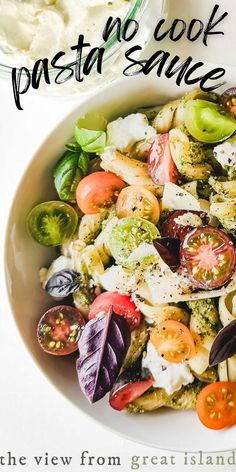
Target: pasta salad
[{"x": 144, "y": 283}]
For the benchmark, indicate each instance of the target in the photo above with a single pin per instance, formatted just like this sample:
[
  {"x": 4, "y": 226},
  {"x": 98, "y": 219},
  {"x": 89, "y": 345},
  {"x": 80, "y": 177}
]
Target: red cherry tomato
[
  {"x": 98, "y": 190},
  {"x": 181, "y": 222},
  {"x": 59, "y": 330},
  {"x": 228, "y": 100},
  {"x": 127, "y": 390},
  {"x": 161, "y": 166},
  {"x": 208, "y": 255},
  {"x": 121, "y": 305},
  {"x": 216, "y": 405}
]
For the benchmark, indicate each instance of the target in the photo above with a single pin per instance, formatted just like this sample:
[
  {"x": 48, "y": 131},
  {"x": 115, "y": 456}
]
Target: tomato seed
[{"x": 47, "y": 329}]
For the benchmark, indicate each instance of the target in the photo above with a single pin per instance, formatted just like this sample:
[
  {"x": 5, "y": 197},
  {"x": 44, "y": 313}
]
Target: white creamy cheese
[
  {"x": 123, "y": 133},
  {"x": 164, "y": 285},
  {"x": 116, "y": 279},
  {"x": 31, "y": 30},
  {"x": 178, "y": 198},
  {"x": 188, "y": 219},
  {"x": 167, "y": 375},
  {"x": 225, "y": 153}
]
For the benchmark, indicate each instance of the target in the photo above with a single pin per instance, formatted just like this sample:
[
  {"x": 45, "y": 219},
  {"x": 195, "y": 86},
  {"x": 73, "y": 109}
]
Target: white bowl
[{"x": 167, "y": 429}]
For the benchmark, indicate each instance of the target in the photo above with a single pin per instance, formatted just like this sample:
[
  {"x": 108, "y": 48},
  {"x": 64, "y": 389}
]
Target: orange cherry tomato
[
  {"x": 216, "y": 405},
  {"x": 173, "y": 341},
  {"x": 138, "y": 201},
  {"x": 98, "y": 190}
]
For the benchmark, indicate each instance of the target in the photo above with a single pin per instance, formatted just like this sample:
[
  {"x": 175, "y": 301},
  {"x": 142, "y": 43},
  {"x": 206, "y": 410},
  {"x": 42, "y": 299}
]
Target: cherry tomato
[
  {"x": 59, "y": 330},
  {"x": 208, "y": 255},
  {"x": 138, "y": 201},
  {"x": 216, "y": 405},
  {"x": 173, "y": 341},
  {"x": 121, "y": 305},
  {"x": 127, "y": 235},
  {"x": 52, "y": 223},
  {"x": 98, "y": 190},
  {"x": 228, "y": 100},
  {"x": 182, "y": 222},
  {"x": 161, "y": 166},
  {"x": 128, "y": 387},
  {"x": 208, "y": 122}
]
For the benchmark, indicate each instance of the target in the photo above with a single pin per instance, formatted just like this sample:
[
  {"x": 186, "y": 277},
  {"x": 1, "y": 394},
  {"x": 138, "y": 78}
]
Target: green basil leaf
[
  {"x": 90, "y": 140},
  {"x": 83, "y": 162},
  {"x": 74, "y": 147},
  {"x": 70, "y": 169}
]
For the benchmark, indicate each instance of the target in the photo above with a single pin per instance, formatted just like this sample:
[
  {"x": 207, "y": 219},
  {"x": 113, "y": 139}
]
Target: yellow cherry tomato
[{"x": 139, "y": 202}]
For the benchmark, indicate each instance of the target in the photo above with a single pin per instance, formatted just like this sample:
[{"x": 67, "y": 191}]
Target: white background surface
[{"x": 34, "y": 417}]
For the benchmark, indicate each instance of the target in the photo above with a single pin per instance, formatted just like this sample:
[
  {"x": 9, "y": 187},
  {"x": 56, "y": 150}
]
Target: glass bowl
[{"x": 113, "y": 57}]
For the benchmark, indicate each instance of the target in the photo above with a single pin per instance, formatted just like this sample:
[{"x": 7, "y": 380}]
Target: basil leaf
[
  {"x": 224, "y": 345},
  {"x": 62, "y": 283},
  {"x": 168, "y": 248},
  {"x": 90, "y": 140},
  {"x": 70, "y": 169},
  {"x": 103, "y": 346},
  {"x": 74, "y": 147}
]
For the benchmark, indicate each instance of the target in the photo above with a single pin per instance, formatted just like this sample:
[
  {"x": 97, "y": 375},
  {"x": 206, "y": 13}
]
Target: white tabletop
[{"x": 34, "y": 418}]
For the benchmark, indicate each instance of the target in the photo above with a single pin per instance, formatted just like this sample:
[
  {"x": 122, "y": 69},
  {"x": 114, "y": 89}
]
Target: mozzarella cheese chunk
[
  {"x": 188, "y": 219},
  {"x": 167, "y": 375},
  {"x": 177, "y": 198},
  {"x": 164, "y": 285},
  {"x": 123, "y": 133},
  {"x": 225, "y": 153},
  {"x": 116, "y": 279}
]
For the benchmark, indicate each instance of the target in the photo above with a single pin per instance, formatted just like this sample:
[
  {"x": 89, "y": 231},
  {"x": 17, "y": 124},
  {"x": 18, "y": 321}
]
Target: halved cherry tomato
[
  {"x": 52, "y": 223},
  {"x": 98, "y": 190},
  {"x": 59, "y": 330},
  {"x": 161, "y": 166},
  {"x": 173, "y": 341},
  {"x": 208, "y": 255},
  {"x": 127, "y": 234},
  {"x": 216, "y": 405},
  {"x": 182, "y": 222},
  {"x": 121, "y": 305},
  {"x": 136, "y": 200},
  {"x": 208, "y": 122},
  {"x": 128, "y": 387},
  {"x": 228, "y": 100}
]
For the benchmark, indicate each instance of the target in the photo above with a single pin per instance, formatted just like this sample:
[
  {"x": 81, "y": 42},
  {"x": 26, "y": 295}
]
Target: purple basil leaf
[
  {"x": 168, "y": 248},
  {"x": 62, "y": 283},
  {"x": 103, "y": 346},
  {"x": 224, "y": 345}
]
